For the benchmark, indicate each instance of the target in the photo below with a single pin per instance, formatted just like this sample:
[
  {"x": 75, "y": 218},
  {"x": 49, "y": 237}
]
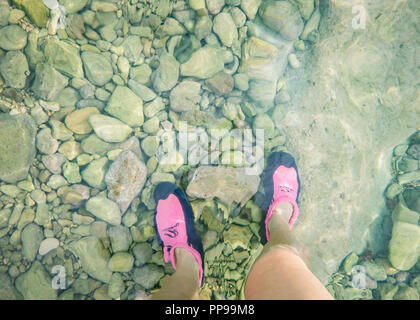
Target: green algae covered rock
[
  {"x": 204, "y": 63},
  {"x": 31, "y": 238},
  {"x": 73, "y": 6},
  {"x": 14, "y": 69},
  {"x": 238, "y": 237},
  {"x": 224, "y": 27},
  {"x": 264, "y": 122},
  {"x": 13, "y": 37},
  {"x": 166, "y": 75},
  {"x": 104, "y": 209},
  {"x": 185, "y": 96},
  {"x": 116, "y": 286},
  {"x": 109, "y": 129},
  {"x": 148, "y": 276},
  {"x": 93, "y": 257},
  {"x": 406, "y": 293},
  {"x": 4, "y": 14},
  {"x": 17, "y": 150},
  {"x": 48, "y": 82},
  {"x": 375, "y": 271},
  {"x": 7, "y": 290},
  {"x": 77, "y": 121},
  {"x": 404, "y": 247},
  {"x": 250, "y": 7},
  {"x": 126, "y": 106},
  {"x": 132, "y": 48},
  {"x": 121, "y": 262},
  {"x": 64, "y": 57},
  {"x": 412, "y": 199},
  {"x": 35, "y": 9},
  {"x": 125, "y": 179},
  {"x": 283, "y": 17},
  {"x": 94, "y": 145},
  {"x": 120, "y": 238},
  {"x": 143, "y": 253},
  {"x": 35, "y": 284},
  {"x": 402, "y": 213},
  {"x": 97, "y": 67}
]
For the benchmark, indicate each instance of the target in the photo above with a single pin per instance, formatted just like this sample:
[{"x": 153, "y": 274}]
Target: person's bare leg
[
  {"x": 183, "y": 284},
  {"x": 280, "y": 272}
]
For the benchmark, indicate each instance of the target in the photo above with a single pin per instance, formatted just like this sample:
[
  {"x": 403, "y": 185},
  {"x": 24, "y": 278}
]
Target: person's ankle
[
  {"x": 284, "y": 210},
  {"x": 185, "y": 259},
  {"x": 278, "y": 225}
]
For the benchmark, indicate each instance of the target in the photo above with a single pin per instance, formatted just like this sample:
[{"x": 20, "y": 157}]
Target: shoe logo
[
  {"x": 171, "y": 232},
  {"x": 286, "y": 189}
]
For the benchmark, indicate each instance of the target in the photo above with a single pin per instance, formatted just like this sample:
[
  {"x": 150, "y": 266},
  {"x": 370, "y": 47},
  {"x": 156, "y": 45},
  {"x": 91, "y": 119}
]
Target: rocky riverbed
[
  {"x": 394, "y": 271},
  {"x": 100, "y": 100}
]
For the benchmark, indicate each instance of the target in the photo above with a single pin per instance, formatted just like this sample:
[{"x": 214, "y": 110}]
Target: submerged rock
[
  {"x": 120, "y": 238},
  {"x": 48, "y": 82},
  {"x": 7, "y": 290},
  {"x": 104, "y": 209},
  {"x": 132, "y": 48},
  {"x": 224, "y": 27},
  {"x": 45, "y": 143},
  {"x": 36, "y": 11},
  {"x": 73, "y": 6},
  {"x": 109, "y": 129},
  {"x": 121, "y": 262},
  {"x": 17, "y": 150},
  {"x": 225, "y": 183},
  {"x": 203, "y": 26},
  {"x": 412, "y": 199},
  {"x": 116, "y": 286},
  {"x": 143, "y": 253},
  {"x": 238, "y": 237},
  {"x": 13, "y": 37},
  {"x": 148, "y": 276},
  {"x": 125, "y": 179},
  {"x": 222, "y": 83},
  {"x": 404, "y": 247},
  {"x": 35, "y": 284},
  {"x": 126, "y": 106},
  {"x": 204, "y": 63},
  {"x": 166, "y": 75},
  {"x": 64, "y": 57},
  {"x": 77, "y": 121},
  {"x": 283, "y": 17},
  {"x": 93, "y": 257},
  {"x": 75, "y": 27},
  {"x": 263, "y": 60},
  {"x": 31, "y": 237},
  {"x": 185, "y": 96},
  {"x": 4, "y": 14},
  {"x": 97, "y": 67},
  {"x": 47, "y": 245},
  {"x": 414, "y": 151},
  {"x": 14, "y": 69},
  {"x": 250, "y": 7}
]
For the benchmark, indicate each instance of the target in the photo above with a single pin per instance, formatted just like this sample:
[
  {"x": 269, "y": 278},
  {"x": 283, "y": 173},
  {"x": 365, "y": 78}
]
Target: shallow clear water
[{"x": 102, "y": 100}]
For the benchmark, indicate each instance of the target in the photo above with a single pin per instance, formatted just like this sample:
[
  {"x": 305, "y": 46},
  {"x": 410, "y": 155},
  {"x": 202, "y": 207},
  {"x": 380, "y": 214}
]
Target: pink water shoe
[
  {"x": 174, "y": 221},
  {"x": 281, "y": 184}
]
